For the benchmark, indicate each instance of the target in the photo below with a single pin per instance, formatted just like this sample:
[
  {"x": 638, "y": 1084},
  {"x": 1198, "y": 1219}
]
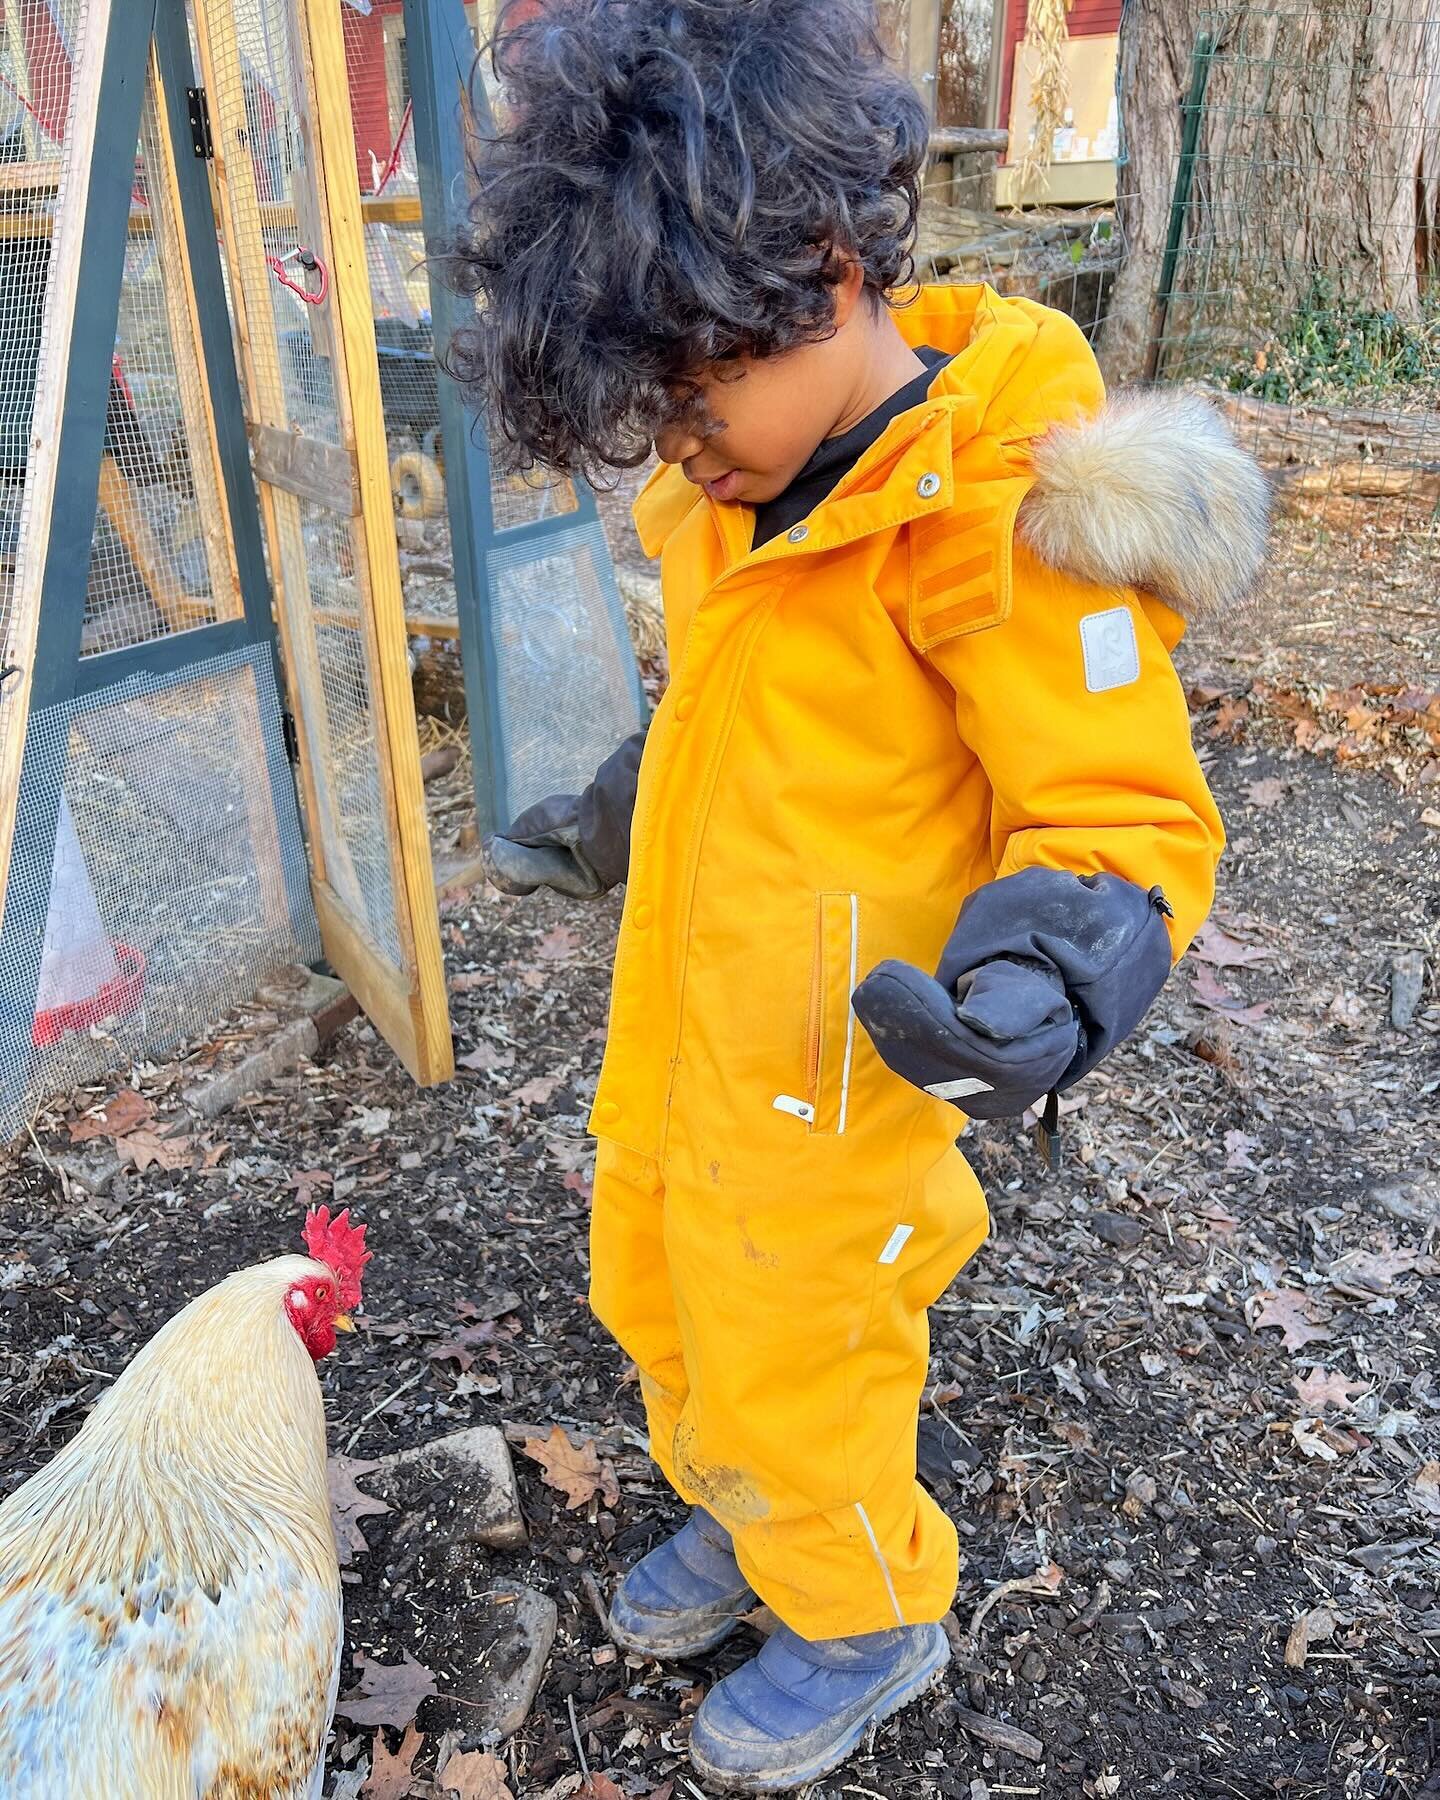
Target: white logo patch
[{"x": 1112, "y": 652}]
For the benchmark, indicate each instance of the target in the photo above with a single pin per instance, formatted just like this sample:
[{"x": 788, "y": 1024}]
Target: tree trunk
[{"x": 1313, "y": 183}]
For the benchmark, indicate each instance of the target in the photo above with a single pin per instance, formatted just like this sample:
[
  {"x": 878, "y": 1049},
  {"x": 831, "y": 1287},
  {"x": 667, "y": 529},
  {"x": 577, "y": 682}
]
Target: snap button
[
  {"x": 607, "y": 1112},
  {"x": 799, "y": 533},
  {"x": 684, "y": 707},
  {"x": 644, "y": 916},
  {"x": 928, "y": 485}
]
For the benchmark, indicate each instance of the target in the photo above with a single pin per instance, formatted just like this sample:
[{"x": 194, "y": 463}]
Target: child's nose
[{"x": 677, "y": 444}]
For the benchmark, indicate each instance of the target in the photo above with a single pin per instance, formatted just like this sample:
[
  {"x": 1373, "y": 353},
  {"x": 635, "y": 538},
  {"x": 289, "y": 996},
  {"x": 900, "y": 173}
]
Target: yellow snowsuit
[{"x": 867, "y": 718}]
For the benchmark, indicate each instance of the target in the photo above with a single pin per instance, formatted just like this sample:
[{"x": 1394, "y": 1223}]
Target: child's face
[
  {"x": 755, "y": 425},
  {"x": 758, "y": 421}
]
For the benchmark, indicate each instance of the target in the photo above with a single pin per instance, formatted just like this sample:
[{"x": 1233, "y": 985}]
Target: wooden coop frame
[
  {"x": 128, "y": 80},
  {"x": 263, "y": 589}
]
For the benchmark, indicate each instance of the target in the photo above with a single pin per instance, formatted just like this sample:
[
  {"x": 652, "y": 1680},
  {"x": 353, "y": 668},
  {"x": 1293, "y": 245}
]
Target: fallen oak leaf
[
  {"x": 485, "y": 1059},
  {"x": 348, "y": 1505},
  {"x": 1209, "y": 993},
  {"x": 1267, "y": 792},
  {"x": 1301, "y": 1318},
  {"x": 392, "y": 1775},
  {"x": 1225, "y": 951},
  {"x": 118, "y": 1118},
  {"x": 1367, "y": 1273},
  {"x": 575, "y": 1470},
  {"x": 475, "y": 1775},
  {"x": 559, "y": 944},
  {"x": 389, "y": 1693},
  {"x": 599, "y": 1787},
  {"x": 538, "y": 1092},
  {"x": 1325, "y": 1387},
  {"x": 147, "y": 1149}
]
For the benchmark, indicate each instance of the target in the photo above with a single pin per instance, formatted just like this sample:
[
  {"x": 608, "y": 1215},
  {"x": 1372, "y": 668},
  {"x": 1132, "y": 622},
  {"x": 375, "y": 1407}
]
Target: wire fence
[{"x": 1303, "y": 283}]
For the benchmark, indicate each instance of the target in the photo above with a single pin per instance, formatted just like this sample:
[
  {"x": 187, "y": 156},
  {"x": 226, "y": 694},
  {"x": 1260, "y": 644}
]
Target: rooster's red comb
[{"x": 340, "y": 1245}]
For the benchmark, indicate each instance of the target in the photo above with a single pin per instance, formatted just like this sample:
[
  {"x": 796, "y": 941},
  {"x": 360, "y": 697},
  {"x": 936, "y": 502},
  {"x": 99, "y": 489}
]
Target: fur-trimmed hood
[
  {"x": 1147, "y": 490},
  {"x": 1153, "y": 493}
]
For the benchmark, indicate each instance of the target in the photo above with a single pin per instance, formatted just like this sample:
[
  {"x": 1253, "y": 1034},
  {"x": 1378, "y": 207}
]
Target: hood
[{"x": 1148, "y": 489}]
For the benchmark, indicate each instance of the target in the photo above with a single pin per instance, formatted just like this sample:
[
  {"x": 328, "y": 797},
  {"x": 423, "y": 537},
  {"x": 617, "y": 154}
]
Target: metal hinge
[
  {"x": 291, "y": 734},
  {"x": 199, "y": 108}
]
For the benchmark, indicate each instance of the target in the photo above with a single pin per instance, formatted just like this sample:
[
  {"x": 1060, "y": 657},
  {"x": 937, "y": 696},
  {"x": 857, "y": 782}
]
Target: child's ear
[{"x": 848, "y": 291}]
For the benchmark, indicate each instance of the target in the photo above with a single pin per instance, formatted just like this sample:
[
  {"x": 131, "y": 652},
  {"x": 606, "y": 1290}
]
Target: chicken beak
[{"x": 343, "y": 1322}]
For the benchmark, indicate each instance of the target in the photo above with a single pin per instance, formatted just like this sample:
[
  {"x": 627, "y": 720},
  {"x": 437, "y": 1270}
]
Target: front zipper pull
[{"x": 1047, "y": 1132}]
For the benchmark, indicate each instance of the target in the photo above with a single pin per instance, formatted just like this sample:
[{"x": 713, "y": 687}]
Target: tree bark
[{"x": 1314, "y": 180}]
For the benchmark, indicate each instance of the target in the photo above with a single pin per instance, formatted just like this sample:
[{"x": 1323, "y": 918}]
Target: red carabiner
[{"x": 307, "y": 260}]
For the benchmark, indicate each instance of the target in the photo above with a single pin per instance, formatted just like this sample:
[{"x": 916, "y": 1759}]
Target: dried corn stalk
[{"x": 1046, "y": 35}]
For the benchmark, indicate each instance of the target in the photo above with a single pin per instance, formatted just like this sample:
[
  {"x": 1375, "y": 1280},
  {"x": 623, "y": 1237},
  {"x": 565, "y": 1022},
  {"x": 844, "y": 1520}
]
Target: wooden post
[{"x": 62, "y": 489}]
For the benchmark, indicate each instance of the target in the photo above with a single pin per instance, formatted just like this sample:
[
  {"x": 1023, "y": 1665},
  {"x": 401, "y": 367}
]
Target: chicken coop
[{"x": 234, "y": 495}]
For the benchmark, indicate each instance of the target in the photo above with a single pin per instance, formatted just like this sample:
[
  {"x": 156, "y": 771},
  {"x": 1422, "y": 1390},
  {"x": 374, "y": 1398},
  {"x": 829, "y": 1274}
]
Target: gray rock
[
  {"x": 1115, "y": 1229},
  {"x": 515, "y": 1665},
  {"x": 475, "y": 1468},
  {"x": 1407, "y": 984}
]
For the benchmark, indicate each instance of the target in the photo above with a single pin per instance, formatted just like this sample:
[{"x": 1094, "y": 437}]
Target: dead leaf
[
  {"x": 475, "y": 1775},
  {"x": 460, "y": 1348},
  {"x": 373, "y": 1121},
  {"x": 470, "y": 979},
  {"x": 1238, "y": 1145},
  {"x": 1312, "y": 1627},
  {"x": 485, "y": 1059},
  {"x": 1269, "y": 792},
  {"x": 559, "y": 944},
  {"x": 215, "y": 1155},
  {"x": 1218, "y": 947},
  {"x": 146, "y": 1149},
  {"x": 1140, "y": 1494},
  {"x": 348, "y": 1505},
  {"x": 389, "y": 1693},
  {"x": 1209, "y": 993},
  {"x": 119, "y": 1117},
  {"x": 1425, "y": 1490},
  {"x": 599, "y": 1787},
  {"x": 391, "y": 1777},
  {"x": 1300, "y": 1317},
  {"x": 1325, "y": 1387},
  {"x": 538, "y": 1092},
  {"x": 1372, "y": 1272},
  {"x": 574, "y": 1470},
  {"x": 1309, "y": 1435}
]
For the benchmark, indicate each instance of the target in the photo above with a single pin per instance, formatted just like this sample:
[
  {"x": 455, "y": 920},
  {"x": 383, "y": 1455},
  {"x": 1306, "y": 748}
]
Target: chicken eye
[{"x": 322, "y": 1292}]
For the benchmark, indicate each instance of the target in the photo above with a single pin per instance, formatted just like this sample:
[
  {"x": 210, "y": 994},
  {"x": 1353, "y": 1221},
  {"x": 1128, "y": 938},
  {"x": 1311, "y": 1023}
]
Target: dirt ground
[{"x": 1184, "y": 1405}]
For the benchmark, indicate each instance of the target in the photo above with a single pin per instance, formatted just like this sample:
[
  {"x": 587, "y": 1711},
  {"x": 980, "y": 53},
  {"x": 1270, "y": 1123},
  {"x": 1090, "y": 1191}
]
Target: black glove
[
  {"x": 578, "y": 844},
  {"x": 1044, "y": 973}
]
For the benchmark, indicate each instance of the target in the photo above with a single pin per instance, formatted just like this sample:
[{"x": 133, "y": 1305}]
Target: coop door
[{"x": 275, "y": 80}]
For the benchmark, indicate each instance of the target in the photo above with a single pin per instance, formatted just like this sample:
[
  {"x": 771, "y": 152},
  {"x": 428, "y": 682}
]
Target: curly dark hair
[{"x": 677, "y": 183}]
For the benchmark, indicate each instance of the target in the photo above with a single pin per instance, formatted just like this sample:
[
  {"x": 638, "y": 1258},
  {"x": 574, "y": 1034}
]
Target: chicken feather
[{"x": 170, "y": 1618}]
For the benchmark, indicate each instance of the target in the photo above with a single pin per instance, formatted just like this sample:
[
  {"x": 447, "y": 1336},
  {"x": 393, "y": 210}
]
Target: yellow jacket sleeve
[{"x": 1075, "y": 712}]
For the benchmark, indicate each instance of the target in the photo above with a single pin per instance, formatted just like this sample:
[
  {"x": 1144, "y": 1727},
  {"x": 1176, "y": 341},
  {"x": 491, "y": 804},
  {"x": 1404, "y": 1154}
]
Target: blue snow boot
[
  {"x": 796, "y": 1711},
  {"x": 685, "y": 1597}
]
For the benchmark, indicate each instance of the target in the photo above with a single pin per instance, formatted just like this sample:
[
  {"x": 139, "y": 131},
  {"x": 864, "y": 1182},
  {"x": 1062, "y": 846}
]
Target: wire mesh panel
[
  {"x": 1303, "y": 283},
  {"x": 275, "y": 76},
  {"x": 38, "y": 175},
  {"x": 178, "y": 878},
  {"x": 566, "y": 670}
]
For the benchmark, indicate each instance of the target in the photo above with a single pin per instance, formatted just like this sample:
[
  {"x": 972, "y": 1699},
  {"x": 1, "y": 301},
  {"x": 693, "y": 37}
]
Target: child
[{"x": 918, "y": 821}]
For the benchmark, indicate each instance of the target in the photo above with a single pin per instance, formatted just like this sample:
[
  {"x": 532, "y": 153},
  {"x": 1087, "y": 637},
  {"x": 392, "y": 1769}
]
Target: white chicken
[{"x": 170, "y": 1624}]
